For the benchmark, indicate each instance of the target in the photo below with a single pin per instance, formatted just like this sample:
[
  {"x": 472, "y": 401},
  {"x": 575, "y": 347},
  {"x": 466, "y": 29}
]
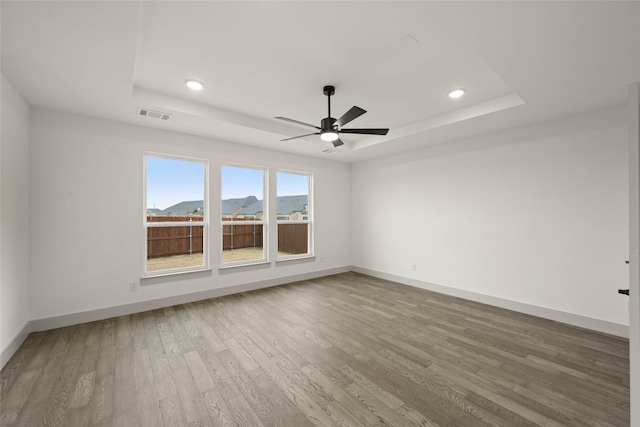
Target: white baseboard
[
  {"x": 9, "y": 350},
  {"x": 593, "y": 324},
  {"x": 47, "y": 323}
]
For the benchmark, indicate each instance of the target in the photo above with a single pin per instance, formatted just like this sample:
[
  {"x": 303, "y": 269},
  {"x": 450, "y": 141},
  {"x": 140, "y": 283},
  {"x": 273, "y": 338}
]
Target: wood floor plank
[
  {"x": 220, "y": 376},
  {"x": 31, "y": 413},
  {"x": 270, "y": 343},
  {"x": 138, "y": 335},
  {"x": 42, "y": 353},
  {"x": 241, "y": 355},
  {"x": 13, "y": 402},
  {"x": 243, "y": 413},
  {"x": 213, "y": 339},
  {"x": 378, "y": 408},
  {"x": 188, "y": 393},
  {"x": 181, "y": 336},
  {"x": 195, "y": 312},
  {"x": 162, "y": 377},
  {"x": 198, "y": 371},
  {"x": 171, "y": 412},
  {"x": 149, "y": 415},
  {"x": 54, "y": 410},
  {"x": 126, "y": 419},
  {"x": 218, "y": 408},
  {"x": 261, "y": 404},
  {"x": 167, "y": 337},
  {"x": 106, "y": 364},
  {"x": 337, "y": 393},
  {"x": 289, "y": 415},
  {"x": 342, "y": 350},
  {"x": 101, "y": 405},
  {"x": 20, "y": 360},
  {"x": 152, "y": 335}
]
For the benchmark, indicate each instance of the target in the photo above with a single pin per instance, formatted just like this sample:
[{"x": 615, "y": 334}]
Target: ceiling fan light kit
[
  {"x": 331, "y": 128},
  {"x": 329, "y": 136}
]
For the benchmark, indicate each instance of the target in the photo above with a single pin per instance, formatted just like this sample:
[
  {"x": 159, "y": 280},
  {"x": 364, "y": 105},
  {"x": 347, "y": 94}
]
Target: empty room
[{"x": 332, "y": 213}]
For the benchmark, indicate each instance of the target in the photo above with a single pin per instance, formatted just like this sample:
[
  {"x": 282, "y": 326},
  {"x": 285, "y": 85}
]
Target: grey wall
[{"x": 14, "y": 220}]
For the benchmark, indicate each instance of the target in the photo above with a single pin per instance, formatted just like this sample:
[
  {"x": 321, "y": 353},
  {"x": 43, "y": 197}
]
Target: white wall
[
  {"x": 537, "y": 216},
  {"x": 86, "y": 215},
  {"x": 634, "y": 248},
  {"x": 14, "y": 224}
]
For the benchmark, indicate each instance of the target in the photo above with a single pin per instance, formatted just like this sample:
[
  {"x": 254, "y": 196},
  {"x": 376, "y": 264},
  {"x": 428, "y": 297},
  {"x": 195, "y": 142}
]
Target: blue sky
[
  {"x": 171, "y": 181},
  {"x": 241, "y": 182},
  {"x": 290, "y": 184}
]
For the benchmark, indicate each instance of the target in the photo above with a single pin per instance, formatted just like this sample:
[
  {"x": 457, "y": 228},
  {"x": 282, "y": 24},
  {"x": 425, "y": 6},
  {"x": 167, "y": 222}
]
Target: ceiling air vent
[{"x": 153, "y": 114}]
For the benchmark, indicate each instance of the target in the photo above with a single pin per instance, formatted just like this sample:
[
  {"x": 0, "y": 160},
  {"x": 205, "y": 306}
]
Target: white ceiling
[{"x": 520, "y": 63}]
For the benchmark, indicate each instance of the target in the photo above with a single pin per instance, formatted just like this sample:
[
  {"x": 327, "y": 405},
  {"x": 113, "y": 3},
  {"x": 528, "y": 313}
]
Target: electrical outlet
[
  {"x": 413, "y": 267},
  {"x": 133, "y": 286},
  {"x": 321, "y": 259}
]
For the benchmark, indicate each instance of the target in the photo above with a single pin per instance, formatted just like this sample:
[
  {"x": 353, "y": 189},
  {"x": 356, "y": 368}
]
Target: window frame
[
  {"x": 264, "y": 221},
  {"x": 146, "y": 225},
  {"x": 309, "y": 221}
]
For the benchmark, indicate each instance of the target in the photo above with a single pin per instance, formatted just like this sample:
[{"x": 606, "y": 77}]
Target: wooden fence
[
  {"x": 238, "y": 236},
  {"x": 293, "y": 238},
  {"x": 170, "y": 241},
  {"x": 184, "y": 240}
]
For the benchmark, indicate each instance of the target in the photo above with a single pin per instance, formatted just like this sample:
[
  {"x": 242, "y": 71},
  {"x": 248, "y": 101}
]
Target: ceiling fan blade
[
  {"x": 287, "y": 119},
  {"x": 353, "y": 113},
  {"x": 337, "y": 143},
  {"x": 300, "y": 136},
  {"x": 366, "y": 131}
]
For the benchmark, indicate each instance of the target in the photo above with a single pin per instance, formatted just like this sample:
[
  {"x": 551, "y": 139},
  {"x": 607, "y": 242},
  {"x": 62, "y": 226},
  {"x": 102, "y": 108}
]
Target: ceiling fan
[{"x": 330, "y": 128}]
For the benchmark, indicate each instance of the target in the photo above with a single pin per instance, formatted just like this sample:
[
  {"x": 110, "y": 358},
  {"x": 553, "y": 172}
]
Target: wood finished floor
[{"x": 345, "y": 350}]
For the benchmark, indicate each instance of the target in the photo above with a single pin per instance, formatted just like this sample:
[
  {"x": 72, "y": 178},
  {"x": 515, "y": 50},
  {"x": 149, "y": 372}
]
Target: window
[
  {"x": 176, "y": 214},
  {"x": 243, "y": 215},
  {"x": 294, "y": 203}
]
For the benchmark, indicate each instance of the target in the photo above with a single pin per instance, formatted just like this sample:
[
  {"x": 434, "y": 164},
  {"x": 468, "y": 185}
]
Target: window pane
[
  {"x": 242, "y": 242},
  {"x": 293, "y": 239},
  {"x": 175, "y": 190},
  {"x": 293, "y": 196},
  {"x": 174, "y": 247},
  {"x": 242, "y": 201},
  {"x": 175, "y": 187},
  {"x": 242, "y": 193},
  {"x": 293, "y": 205}
]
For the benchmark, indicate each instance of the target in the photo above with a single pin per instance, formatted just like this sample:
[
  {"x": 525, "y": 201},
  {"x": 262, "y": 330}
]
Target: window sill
[
  {"x": 230, "y": 266},
  {"x": 295, "y": 258},
  {"x": 166, "y": 273}
]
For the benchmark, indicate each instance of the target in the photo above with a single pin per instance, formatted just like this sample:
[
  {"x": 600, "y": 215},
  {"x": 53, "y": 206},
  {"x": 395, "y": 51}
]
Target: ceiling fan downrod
[{"x": 327, "y": 122}]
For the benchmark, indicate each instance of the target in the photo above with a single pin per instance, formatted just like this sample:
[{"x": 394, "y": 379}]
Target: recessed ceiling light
[
  {"x": 194, "y": 85},
  {"x": 457, "y": 93}
]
